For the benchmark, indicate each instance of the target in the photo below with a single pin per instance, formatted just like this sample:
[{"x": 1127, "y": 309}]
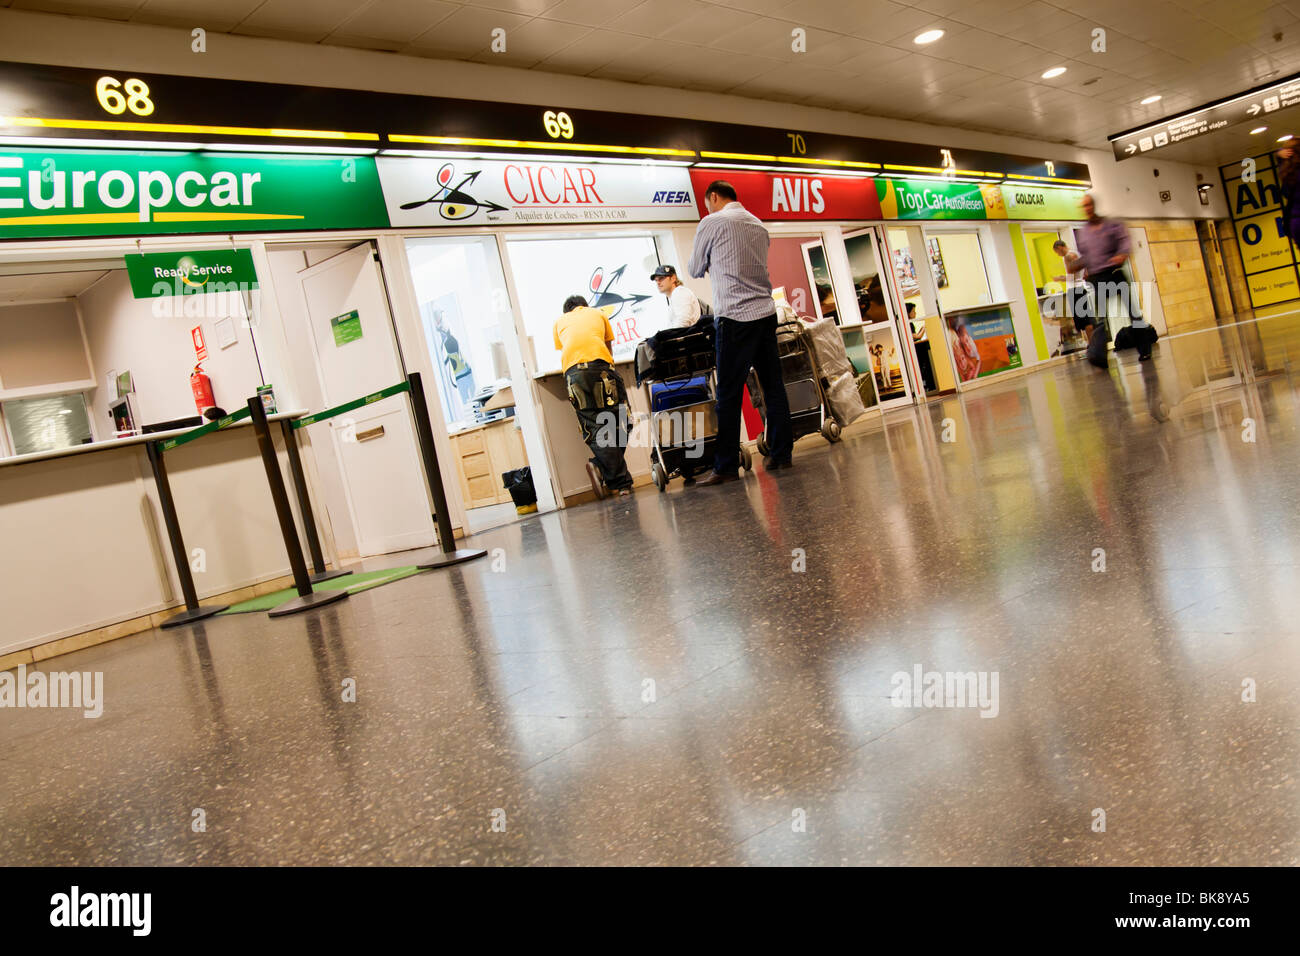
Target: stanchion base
[
  {"x": 306, "y": 602},
  {"x": 458, "y": 556},
  {"x": 189, "y": 617},
  {"x": 328, "y": 575}
]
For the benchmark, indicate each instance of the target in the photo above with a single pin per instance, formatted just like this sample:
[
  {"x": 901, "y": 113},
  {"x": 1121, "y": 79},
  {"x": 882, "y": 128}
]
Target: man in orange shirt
[{"x": 596, "y": 392}]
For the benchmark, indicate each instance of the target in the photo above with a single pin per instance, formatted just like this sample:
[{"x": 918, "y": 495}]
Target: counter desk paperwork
[{"x": 83, "y": 540}]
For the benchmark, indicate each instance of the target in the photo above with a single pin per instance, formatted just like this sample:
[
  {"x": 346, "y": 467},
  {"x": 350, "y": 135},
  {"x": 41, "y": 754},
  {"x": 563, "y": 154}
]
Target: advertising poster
[
  {"x": 983, "y": 342},
  {"x": 1267, "y": 256},
  {"x": 442, "y": 191},
  {"x": 1033, "y": 202}
]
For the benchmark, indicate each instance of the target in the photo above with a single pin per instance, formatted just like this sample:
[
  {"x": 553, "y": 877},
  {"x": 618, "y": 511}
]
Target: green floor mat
[{"x": 353, "y": 583}]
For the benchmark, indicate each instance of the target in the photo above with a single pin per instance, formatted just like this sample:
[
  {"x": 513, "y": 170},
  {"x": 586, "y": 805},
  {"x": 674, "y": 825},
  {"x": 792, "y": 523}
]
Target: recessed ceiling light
[
  {"x": 1151, "y": 99},
  {"x": 929, "y": 36},
  {"x": 1283, "y": 139},
  {"x": 65, "y": 411},
  {"x": 1054, "y": 71},
  {"x": 1258, "y": 129}
]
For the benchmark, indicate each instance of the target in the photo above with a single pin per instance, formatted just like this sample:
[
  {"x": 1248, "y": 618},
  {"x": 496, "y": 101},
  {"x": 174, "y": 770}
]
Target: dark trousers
[
  {"x": 1114, "y": 285},
  {"x": 599, "y": 398},
  {"x": 742, "y": 346}
]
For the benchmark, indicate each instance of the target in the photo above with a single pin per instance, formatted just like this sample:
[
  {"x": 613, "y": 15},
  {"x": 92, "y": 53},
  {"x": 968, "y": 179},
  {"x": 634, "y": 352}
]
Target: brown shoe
[
  {"x": 715, "y": 478},
  {"x": 597, "y": 485},
  {"x": 772, "y": 464}
]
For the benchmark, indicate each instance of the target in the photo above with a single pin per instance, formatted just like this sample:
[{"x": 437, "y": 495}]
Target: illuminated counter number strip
[
  {"x": 801, "y": 160},
  {"x": 32, "y": 121},
  {"x": 534, "y": 144}
]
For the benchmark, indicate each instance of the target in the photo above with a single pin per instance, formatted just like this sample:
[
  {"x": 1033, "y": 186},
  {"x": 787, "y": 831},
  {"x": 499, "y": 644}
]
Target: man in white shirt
[{"x": 682, "y": 302}]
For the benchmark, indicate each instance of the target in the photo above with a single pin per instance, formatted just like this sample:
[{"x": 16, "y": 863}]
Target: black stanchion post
[
  {"x": 192, "y": 612},
  {"x": 306, "y": 598},
  {"x": 304, "y": 506},
  {"x": 429, "y": 453}
]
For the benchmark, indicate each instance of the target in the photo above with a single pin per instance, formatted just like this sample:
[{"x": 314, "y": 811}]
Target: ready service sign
[
  {"x": 53, "y": 193},
  {"x": 439, "y": 191},
  {"x": 158, "y": 274}
]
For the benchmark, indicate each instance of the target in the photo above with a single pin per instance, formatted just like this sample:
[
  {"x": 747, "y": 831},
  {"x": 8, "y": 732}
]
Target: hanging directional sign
[{"x": 1248, "y": 107}]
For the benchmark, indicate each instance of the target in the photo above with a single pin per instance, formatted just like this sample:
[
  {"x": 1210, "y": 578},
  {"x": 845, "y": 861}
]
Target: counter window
[
  {"x": 958, "y": 266},
  {"x": 46, "y": 424},
  {"x": 612, "y": 273}
]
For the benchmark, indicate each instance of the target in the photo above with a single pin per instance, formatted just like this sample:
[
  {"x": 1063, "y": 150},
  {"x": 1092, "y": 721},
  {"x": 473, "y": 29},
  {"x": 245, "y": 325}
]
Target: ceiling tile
[
  {"x": 465, "y": 33},
  {"x": 593, "y": 13},
  {"x": 195, "y": 13},
  {"x": 530, "y": 44},
  {"x": 104, "y": 9},
  {"x": 400, "y": 20},
  {"x": 286, "y": 18}
]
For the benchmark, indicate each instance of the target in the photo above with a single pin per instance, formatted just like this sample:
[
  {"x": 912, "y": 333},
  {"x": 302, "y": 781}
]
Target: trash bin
[{"x": 520, "y": 485}]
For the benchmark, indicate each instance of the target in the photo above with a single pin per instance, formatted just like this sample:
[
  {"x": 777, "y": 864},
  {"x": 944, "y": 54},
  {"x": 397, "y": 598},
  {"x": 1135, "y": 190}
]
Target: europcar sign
[{"x": 51, "y": 193}]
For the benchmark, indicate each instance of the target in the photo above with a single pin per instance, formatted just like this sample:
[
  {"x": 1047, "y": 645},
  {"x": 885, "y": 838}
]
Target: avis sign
[
  {"x": 777, "y": 197},
  {"x": 448, "y": 192}
]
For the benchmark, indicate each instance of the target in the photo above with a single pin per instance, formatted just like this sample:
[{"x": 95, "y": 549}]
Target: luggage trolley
[
  {"x": 677, "y": 370},
  {"x": 803, "y": 387}
]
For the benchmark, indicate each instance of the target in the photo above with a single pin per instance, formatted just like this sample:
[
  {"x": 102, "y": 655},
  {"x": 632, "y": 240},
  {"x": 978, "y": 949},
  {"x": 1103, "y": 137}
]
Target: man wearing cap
[
  {"x": 731, "y": 245},
  {"x": 682, "y": 302}
]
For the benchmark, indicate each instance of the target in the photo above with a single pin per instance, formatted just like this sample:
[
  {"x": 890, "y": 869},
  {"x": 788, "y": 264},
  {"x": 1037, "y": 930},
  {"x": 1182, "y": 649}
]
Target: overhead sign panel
[
  {"x": 773, "y": 197},
  {"x": 48, "y": 101},
  {"x": 462, "y": 191},
  {"x": 53, "y": 193},
  {"x": 1248, "y": 107}
]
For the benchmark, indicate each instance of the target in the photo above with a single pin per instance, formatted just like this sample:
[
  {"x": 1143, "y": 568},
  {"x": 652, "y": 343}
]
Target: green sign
[
  {"x": 52, "y": 193},
  {"x": 346, "y": 328},
  {"x": 1041, "y": 202},
  {"x": 916, "y": 199},
  {"x": 157, "y": 274}
]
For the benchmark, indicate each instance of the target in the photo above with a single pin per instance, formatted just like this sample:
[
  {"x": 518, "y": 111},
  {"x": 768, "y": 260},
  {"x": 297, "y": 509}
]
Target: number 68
[{"x": 109, "y": 93}]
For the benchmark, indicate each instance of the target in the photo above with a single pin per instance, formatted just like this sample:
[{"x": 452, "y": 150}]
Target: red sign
[
  {"x": 775, "y": 197},
  {"x": 200, "y": 347}
]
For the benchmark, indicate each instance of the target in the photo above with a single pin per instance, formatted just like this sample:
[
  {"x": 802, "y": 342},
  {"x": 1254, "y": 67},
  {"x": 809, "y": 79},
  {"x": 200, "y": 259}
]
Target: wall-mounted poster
[
  {"x": 936, "y": 263},
  {"x": 983, "y": 341}
]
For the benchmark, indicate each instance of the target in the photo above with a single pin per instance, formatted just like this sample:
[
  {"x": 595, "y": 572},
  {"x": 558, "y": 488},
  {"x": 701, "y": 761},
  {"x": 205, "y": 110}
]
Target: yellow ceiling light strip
[
  {"x": 1050, "y": 179},
  {"x": 753, "y": 157},
  {"x": 536, "y": 144},
  {"x": 114, "y": 125},
  {"x": 847, "y": 163}
]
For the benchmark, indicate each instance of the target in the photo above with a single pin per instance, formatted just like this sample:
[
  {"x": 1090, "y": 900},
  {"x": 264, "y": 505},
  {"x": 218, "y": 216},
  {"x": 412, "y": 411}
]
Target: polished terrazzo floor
[{"x": 504, "y": 716}]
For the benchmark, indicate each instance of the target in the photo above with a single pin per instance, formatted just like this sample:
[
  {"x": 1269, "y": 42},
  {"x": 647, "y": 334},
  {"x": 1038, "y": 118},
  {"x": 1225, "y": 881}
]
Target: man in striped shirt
[{"x": 731, "y": 246}]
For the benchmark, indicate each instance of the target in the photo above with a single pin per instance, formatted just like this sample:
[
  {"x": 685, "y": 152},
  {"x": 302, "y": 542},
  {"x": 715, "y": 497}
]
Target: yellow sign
[
  {"x": 1261, "y": 243},
  {"x": 1280, "y": 285}
]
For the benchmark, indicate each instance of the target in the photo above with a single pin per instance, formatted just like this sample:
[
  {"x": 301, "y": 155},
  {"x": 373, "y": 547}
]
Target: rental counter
[{"x": 85, "y": 546}]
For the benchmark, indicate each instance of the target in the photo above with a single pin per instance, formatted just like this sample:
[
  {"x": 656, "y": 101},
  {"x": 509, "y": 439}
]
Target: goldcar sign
[{"x": 54, "y": 193}]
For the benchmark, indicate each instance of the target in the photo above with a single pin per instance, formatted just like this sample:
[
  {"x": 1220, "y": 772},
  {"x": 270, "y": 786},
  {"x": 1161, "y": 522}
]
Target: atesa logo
[
  {"x": 1031, "y": 199},
  {"x": 671, "y": 198}
]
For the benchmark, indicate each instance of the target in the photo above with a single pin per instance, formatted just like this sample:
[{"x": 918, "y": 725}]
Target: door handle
[{"x": 370, "y": 434}]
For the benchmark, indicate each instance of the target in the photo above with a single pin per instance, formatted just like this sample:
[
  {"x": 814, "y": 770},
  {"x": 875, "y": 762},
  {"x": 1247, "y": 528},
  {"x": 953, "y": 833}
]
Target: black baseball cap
[{"x": 662, "y": 272}]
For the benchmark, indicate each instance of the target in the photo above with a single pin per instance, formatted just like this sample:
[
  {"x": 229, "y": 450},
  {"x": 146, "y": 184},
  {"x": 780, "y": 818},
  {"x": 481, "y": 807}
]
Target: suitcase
[{"x": 666, "y": 395}]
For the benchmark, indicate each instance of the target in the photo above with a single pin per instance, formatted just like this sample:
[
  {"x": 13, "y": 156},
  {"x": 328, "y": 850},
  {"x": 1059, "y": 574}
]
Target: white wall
[
  {"x": 126, "y": 333},
  {"x": 42, "y": 38}
]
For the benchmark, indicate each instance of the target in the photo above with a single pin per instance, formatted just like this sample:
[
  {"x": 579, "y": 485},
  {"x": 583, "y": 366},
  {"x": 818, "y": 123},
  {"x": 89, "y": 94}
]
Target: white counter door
[{"x": 387, "y": 498}]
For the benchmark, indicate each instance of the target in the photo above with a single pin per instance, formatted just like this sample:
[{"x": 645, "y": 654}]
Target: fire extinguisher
[{"x": 201, "y": 386}]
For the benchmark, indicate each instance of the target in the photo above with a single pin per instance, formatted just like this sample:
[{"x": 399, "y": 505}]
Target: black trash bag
[
  {"x": 1097, "y": 346},
  {"x": 520, "y": 485}
]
